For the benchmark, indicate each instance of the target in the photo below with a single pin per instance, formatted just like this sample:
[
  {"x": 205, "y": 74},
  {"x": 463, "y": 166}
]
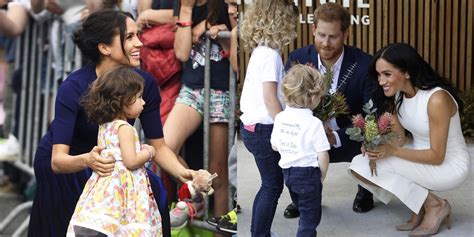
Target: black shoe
[
  {"x": 228, "y": 222},
  {"x": 213, "y": 220},
  {"x": 291, "y": 211},
  {"x": 363, "y": 201}
]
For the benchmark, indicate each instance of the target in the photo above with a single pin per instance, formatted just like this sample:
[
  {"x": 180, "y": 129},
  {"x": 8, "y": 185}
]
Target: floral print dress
[{"x": 121, "y": 204}]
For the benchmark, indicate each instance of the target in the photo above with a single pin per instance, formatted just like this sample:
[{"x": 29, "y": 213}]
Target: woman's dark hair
[
  {"x": 107, "y": 95},
  {"x": 214, "y": 9},
  {"x": 101, "y": 27},
  {"x": 422, "y": 76}
]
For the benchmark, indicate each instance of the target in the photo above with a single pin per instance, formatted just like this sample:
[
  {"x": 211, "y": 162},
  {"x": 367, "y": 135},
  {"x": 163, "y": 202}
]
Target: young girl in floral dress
[{"x": 121, "y": 204}]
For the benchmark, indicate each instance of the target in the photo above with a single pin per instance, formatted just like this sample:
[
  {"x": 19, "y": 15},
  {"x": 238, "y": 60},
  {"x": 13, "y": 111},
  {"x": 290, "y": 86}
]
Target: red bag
[{"x": 157, "y": 54}]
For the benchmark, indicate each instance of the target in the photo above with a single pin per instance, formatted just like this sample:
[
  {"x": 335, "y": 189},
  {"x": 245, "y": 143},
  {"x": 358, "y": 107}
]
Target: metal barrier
[
  {"x": 206, "y": 123},
  {"x": 35, "y": 60},
  {"x": 35, "y": 99}
]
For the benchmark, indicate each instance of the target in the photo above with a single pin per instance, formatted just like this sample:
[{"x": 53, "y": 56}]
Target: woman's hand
[
  {"x": 102, "y": 166},
  {"x": 187, "y": 175},
  {"x": 380, "y": 151}
]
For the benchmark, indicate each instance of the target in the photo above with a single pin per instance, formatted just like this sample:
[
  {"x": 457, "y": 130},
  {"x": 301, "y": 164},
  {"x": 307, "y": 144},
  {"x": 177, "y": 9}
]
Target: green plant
[
  {"x": 467, "y": 117},
  {"x": 332, "y": 104}
]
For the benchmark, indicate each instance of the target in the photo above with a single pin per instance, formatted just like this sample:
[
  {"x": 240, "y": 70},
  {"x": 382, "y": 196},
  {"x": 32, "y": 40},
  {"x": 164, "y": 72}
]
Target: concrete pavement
[{"x": 338, "y": 219}]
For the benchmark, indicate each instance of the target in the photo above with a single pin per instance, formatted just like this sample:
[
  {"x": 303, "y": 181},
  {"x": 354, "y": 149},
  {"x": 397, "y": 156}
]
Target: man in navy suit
[{"x": 349, "y": 66}]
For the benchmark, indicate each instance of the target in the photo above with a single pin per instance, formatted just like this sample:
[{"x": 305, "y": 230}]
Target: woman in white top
[
  {"x": 437, "y": 159},
  {"x": 267, "y": 27}
]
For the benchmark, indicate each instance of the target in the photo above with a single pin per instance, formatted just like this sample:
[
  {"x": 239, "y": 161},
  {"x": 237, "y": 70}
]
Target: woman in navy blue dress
[{"x": 67, "y": 154}]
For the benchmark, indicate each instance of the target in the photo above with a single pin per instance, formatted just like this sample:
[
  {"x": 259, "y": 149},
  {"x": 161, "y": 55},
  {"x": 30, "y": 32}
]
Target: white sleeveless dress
[{"x": 410, "y": 181}]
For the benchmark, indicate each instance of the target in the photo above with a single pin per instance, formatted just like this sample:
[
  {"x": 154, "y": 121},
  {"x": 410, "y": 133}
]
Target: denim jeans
[
  {"x": 305, "y": 188},
  {"x": 271, "y": 176}
]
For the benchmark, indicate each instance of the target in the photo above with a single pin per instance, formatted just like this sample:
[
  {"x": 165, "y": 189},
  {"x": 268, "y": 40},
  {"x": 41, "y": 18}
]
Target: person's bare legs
[
  {"x": 181, "y": 123},
  {"x": 218, "y": 152},
  {"x": 218, "y": 156}
]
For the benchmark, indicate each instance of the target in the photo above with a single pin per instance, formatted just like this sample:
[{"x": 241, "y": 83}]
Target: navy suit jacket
[{"x": 353, "y": 83}]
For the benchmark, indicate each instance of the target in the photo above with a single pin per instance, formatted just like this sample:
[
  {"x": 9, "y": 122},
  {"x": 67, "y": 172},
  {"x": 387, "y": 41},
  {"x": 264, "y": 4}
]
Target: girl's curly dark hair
[{"x": 106, "y": 97}]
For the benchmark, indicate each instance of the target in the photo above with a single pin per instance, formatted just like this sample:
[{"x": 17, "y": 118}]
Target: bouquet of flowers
[
  {"x": 332, "y": 105},
  {"x": 371, "y": 131}
]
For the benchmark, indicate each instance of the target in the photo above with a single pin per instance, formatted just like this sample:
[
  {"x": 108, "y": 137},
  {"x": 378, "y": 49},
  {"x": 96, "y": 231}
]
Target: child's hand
[
  {"x": 214, "y": 30},
  {"x": 150, "y": 149},
  {"x": 142, "y": 21}
]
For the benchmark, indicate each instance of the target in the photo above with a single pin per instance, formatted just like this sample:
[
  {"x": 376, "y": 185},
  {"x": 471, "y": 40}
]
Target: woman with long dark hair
[
  {"x": 435, "y": 159},
  {"x": 68, "y": 152}
]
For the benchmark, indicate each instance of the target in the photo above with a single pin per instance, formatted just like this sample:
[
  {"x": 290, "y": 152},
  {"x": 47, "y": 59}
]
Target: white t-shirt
[
  {"x": 298, "y": 137},
  {"x": 265, "y": 65}
]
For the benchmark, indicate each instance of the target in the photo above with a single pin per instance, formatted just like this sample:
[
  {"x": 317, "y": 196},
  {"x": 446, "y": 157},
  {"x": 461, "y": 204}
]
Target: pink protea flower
[
  {"x": 358, "y": 121},
  {"x": 384, "y": 123}
]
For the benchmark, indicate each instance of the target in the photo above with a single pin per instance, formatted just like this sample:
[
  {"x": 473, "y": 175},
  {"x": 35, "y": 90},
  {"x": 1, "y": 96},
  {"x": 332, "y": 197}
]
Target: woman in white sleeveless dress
[{"x": 427, "y": 107}]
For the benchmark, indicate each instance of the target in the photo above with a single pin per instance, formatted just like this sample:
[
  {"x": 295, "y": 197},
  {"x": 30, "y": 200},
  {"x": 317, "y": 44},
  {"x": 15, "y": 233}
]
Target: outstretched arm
[{"x": 168, "y": 161}]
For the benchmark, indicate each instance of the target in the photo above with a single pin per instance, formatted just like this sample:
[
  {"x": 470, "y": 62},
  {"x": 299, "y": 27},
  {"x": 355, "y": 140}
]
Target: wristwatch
[{"x": 184, "y": 23}]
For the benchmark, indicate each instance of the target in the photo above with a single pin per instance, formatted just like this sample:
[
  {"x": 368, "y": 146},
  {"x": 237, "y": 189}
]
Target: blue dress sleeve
[
  {"x": 66, "y": 110},
  {"x": 150, "y": 117}
]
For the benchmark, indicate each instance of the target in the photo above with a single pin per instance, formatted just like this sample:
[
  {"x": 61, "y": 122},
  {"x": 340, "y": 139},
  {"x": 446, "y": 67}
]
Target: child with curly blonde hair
[
  {"x": 267, "y": 27},
  {"x": 300, "y": 139}
]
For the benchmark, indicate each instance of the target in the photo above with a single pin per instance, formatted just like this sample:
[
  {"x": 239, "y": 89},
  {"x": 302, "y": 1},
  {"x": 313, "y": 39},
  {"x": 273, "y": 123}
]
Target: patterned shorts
[{"x": 219, "y": 103}]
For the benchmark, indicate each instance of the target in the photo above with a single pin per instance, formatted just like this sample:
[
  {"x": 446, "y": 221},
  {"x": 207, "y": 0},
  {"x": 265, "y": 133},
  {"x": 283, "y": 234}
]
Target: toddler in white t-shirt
[{"x": 300, "y": 139}]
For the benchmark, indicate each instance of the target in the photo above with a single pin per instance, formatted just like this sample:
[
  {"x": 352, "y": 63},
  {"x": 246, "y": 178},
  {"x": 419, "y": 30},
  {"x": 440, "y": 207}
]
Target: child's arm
[
  {"x": 323, "y": 158},
  {"x": 270, "y": 98},
  {"x": 131, "y": 159},
  {"x": 233, "y": 49}
]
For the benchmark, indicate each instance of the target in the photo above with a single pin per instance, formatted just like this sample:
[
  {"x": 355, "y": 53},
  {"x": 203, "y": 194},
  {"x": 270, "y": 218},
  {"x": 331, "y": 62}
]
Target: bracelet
[
  {"x": 150, "y": 154},
  {"x": 184, "y": 23},
  {"x": 224, "y": 54}
]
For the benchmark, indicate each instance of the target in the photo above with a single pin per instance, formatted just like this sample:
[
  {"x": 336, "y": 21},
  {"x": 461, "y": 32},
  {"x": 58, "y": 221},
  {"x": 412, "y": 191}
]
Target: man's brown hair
[{"x": 331, "y": 12}]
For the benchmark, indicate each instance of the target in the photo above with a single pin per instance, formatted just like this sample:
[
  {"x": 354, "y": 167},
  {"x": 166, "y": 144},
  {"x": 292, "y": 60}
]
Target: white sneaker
[{"x": 9, "y": 148}]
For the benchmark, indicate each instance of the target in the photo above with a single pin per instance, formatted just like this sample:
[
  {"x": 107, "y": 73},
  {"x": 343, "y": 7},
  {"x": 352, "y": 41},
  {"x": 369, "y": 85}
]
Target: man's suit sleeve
[
  {"x": 350, "y": 148},
  {"x": 288, "y": 62}
]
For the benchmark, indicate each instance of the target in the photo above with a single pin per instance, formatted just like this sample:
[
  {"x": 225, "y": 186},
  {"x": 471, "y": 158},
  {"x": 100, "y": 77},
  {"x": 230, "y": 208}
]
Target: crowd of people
[{"x": 90, "y": 167}]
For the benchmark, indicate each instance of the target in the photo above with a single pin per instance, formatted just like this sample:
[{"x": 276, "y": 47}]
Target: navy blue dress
[{"x": 57, "y": 194}]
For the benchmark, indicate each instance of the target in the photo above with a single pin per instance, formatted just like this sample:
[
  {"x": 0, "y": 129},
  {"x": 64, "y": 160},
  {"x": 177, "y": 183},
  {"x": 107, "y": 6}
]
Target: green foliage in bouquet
[
  {"x": 370, "y": 130},
  {"x": 467, "y": 117},
  {"x": 332, "y": 105}
]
